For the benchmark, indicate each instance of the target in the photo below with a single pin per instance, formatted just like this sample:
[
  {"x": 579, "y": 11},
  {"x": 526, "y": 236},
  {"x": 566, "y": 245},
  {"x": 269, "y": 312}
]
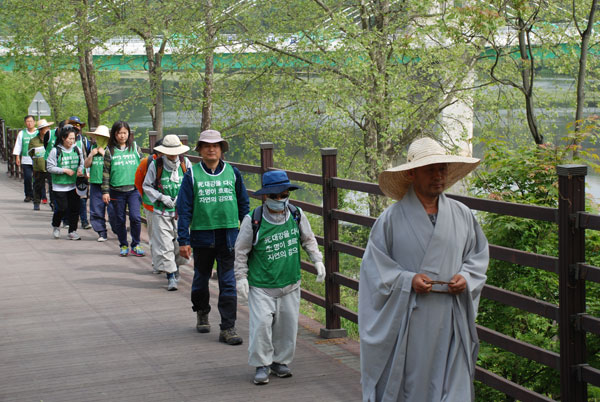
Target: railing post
[
  {"x": 571, "y": 251},
  {"x": 266, "y": 156},
  {"x": 11, "y": 158},
  {"x": 333, "y": 327},
  {"x": 152, "y": 140},
  {"x": 3, "y": 139}
]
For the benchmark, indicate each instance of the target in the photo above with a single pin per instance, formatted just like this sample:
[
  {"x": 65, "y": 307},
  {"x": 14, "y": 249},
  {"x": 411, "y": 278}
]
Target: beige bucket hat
[
  {"x": 171, "y": 145},
  {"x": 395, "y": 182},
  {"x": 212, "y": 137},
  {"x": 102, "y": 131},
  {"x": 43, "y": 123}
]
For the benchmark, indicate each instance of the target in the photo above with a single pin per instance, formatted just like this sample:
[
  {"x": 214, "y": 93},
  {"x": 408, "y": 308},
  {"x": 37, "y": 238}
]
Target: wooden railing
[{"x": 570, "y": 314}]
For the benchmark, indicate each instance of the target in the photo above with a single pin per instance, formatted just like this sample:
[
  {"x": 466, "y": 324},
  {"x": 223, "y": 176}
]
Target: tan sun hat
[
  {"x": 212, "y": 137},
  {"x": 394, "y": 182},
  {"x": 102, "y": 131},
  {"x": 43, "y": 123},
  {"x": 171, "y": 145}
]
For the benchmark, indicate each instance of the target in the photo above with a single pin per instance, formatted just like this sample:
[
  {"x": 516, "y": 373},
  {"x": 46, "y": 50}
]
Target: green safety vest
[
  {"x": 50, "y": 143},
  {"x": 68, "y": 160},
  {"x": 215, "y": 201},
  {"x": 123, "y": 165},
  {"x": 25, "y": 138},
  {"x": 97, "y": 168},
  {"x": 274, "y": 261},
  {"x": 168, "y": 187}
]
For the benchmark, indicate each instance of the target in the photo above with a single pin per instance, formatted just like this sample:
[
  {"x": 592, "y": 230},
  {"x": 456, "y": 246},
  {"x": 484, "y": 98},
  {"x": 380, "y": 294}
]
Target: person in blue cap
[{"x": 267, "y": 272}]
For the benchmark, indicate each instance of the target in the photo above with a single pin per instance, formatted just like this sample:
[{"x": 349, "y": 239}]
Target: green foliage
[{"x": 18, "y": 93}]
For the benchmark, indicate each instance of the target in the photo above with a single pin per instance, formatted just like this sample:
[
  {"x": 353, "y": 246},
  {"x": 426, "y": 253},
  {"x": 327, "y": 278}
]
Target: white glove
[
  {"x": 242, "y": 289},
  {"x": 320, "y": 271},
  {"x": 167, "y": 201}
]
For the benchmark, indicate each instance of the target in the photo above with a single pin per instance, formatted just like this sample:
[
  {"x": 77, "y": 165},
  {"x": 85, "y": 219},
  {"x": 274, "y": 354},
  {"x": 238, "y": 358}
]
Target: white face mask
[{"x": 276, "y": 205}]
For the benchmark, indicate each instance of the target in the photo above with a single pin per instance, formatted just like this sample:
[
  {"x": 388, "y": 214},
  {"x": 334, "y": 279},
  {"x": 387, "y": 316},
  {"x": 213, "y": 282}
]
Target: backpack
[
  {"x": 159, "y": 170},
  {"x": 140, "y": 173},
  {"x": 257, "y": 219}
]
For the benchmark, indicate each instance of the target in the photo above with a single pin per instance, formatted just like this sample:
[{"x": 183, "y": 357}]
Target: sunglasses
[{"x": 278, "y": 196}]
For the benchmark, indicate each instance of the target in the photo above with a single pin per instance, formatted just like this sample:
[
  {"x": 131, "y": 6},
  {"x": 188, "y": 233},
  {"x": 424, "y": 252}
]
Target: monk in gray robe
[{"x": 420, "y": 281}]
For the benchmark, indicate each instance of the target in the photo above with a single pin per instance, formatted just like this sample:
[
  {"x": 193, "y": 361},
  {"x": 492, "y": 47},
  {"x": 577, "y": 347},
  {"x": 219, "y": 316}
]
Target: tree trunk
[
  {"x": 527, "y": 76},
  {"x": 155, "y": 79},
  {"x": 208, "y": 69},
  {"x": 87, "y": 72}
]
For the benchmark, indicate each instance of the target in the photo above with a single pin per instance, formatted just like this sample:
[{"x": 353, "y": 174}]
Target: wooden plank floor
[{"x": 80, "y": 323}]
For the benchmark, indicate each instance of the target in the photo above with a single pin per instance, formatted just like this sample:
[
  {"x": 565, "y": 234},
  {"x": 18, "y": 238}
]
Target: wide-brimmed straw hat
[
  {"x": 171, "y": 145},
  {"x": 395, "y": 182},
  {"x": 43, "y": 123},
  {"x": 275, "y": 182},
  {"x": 212, "y": 137},
  {"x": 101, "y": 130}
]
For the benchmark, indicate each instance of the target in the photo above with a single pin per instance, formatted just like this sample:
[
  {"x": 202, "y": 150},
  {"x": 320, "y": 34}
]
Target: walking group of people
[{"x": 420, "y": 279}]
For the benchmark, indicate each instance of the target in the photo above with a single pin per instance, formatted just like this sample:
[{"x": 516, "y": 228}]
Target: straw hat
[
  {"x": 43, "y": 123},
  {"x": 171, "y": 145},
  {"x": 212, "y": 137},
  {"x": 275, "y": 182},
  {"x": 394, "y": 182},
  {"x": 102, "y": 131}
]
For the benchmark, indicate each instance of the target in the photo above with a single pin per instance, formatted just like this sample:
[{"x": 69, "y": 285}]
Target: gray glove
[{"x": 167, "y": 201}]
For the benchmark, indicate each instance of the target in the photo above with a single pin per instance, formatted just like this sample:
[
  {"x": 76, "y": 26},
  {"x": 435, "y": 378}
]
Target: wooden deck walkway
[{"x": 80, "y": 323}]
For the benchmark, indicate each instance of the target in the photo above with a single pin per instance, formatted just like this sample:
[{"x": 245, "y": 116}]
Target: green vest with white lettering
[
  {"x": 274, "y": 261},
  {"x": 25, "y": 138},
  {"x": 168, "y": 187},
  {"x": 68, "y": 160},
  {"x": 215, "y": 201},
  {"x": 97, "y": 168},
  {"x": 123, "y": 165}
]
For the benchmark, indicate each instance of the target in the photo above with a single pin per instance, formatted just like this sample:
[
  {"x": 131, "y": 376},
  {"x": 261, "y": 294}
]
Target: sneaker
[
  {"x": 172, "y": 284},
  {"x": 36, "y": 207},
  {"x": 138, "y": 251},
  {"x": 124, "y": 251},
  {"x": 44, "y": 200},
  {"x": 86, "y": 225},
  {"x": 202, "y": 324},
  {"x": 280, "y": 370},
  {"x": 262, "y": 375},
  {"x": 74, "y": 236},
  {"x": 27, "y": 199},
  {"x": 230, "y": 337},
  {"x": 65, "y": 224},
  {"x": 101, "y": 238},
  {"x": 56, "y": 233}
]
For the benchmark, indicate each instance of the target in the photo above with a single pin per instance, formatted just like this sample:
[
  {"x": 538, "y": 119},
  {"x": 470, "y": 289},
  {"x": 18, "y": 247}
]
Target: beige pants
[
  {"x": 165, "y": 249},
  {"x": 273, "y": 327}
]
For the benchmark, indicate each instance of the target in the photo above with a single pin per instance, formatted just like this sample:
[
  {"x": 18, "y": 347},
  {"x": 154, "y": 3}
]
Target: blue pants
[
  {"x": 83, "y": 216},
  {"x": 204, "y": 258},
  {"x": 27, "y": 180},
  {"x": 131, "y": 200},
  {"x": 98, "y": 211}
]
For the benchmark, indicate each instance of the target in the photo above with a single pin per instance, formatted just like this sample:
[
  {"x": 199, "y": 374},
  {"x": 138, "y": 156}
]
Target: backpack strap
[
  {"x": 257, "y": 219},
  {"x": 159, "y": 170}
]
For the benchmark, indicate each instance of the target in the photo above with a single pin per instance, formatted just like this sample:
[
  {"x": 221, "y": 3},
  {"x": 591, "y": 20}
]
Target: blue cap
[
  {"x": 75, "y": 120},
  {"x": 275, "y": 182}
]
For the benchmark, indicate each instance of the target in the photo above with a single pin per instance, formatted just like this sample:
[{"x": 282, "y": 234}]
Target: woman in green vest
[
  {"x": 121, "y": 159},
  {"x": 65, "y": 164},
  {"x": 95, "y": 163}
]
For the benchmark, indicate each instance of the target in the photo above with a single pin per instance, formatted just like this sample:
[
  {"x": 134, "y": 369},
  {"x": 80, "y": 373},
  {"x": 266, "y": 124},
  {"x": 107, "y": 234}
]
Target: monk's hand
[
  {"x": 457, "y": 284},
  {"x": 185, "y": 251},
  {"x": 420, "y": 283}
]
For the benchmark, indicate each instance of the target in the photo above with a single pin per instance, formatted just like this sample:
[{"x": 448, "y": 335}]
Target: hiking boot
[
  {"x": 74, "y": 236},
  {"x": 27, "y": 199},
  {"x": 172, "y": 284},
  {"x": 202, "y": 324},
  {"x": 262, "y": 375},
  {"x": 230, "y": 337},
  {"x": 36, "y": 207},
  {"x": 280, "y": 370},
  {"x": 56, "y": 233},
  {"x": 138, "y": 251},
  {"x": 124, "y": 251}
]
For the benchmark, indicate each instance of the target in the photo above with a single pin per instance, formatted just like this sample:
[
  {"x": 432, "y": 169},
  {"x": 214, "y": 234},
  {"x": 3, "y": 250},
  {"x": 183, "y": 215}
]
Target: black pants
[
  {"x": 67, "y": 204},
  {"x": 204, "y": 259},
  {"x": 39, "y": 186}
]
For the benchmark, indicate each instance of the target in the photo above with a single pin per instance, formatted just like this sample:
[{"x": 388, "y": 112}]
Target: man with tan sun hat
[
  {"x": 161, "y": 185},
  {"x": 420, "y": 280}
]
